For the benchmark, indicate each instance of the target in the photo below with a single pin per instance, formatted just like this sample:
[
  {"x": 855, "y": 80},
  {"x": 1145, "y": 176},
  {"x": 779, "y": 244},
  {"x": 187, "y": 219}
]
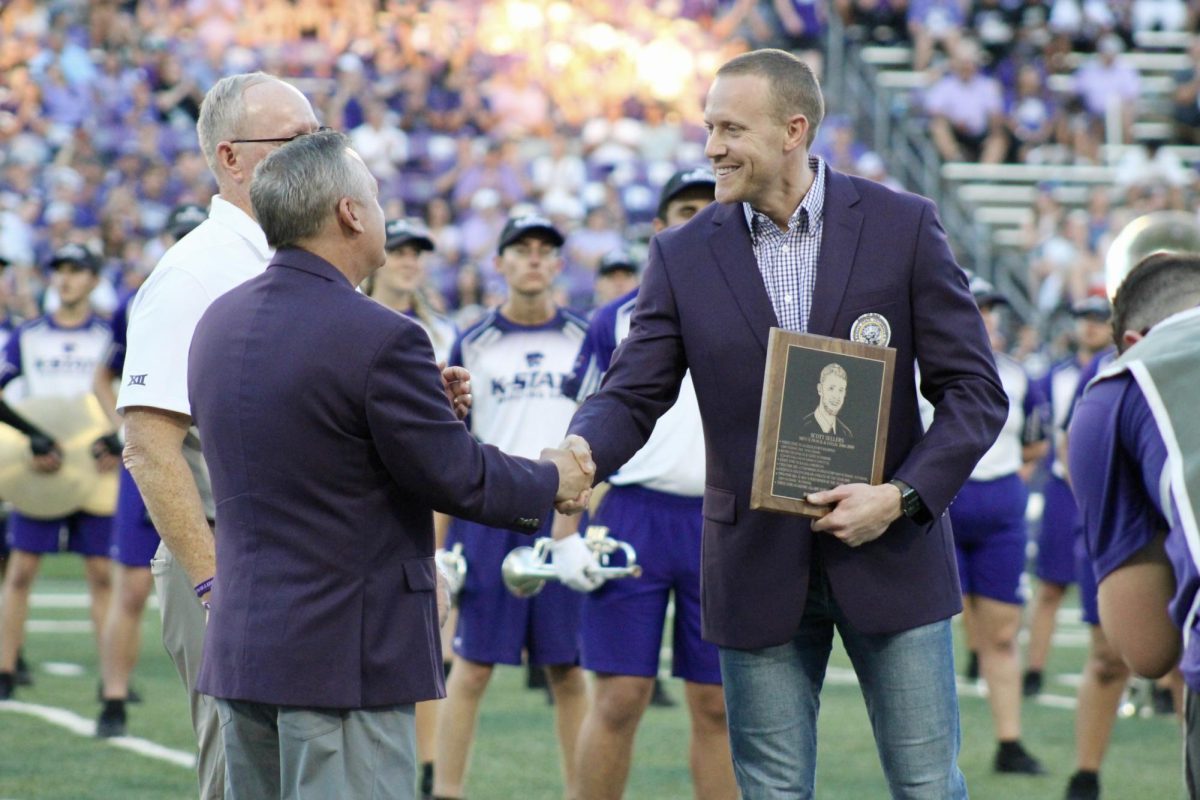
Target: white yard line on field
[
  {"x": 846, "y": 677},
  {"x": 71, "y": 600},
  {"x": 86, "y": 727}
]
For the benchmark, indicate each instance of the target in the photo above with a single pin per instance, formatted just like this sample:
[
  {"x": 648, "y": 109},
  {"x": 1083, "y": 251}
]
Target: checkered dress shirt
[{"x": 788, "y": 259}]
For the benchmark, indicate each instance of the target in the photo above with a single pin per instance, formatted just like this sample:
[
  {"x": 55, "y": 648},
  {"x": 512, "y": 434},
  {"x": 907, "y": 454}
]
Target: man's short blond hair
[{"x": 794, "y": 86}]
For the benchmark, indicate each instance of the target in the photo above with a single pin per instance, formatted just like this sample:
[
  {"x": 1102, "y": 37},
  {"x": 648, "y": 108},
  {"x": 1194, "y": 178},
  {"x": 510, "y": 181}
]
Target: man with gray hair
[
  {"x": 243, "y": 118},
  {"x": 324, "y": 628}
]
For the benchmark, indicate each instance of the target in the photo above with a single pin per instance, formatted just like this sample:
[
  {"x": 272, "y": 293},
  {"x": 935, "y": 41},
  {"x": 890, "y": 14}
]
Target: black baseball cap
[
  {"x": 1092, "y": 306},
  {"x": 184, "y": 219},
  {"x": 985, "y": 293},
  {"x": 681, "y": 180},
  {"x": 74, "y": 254},
  {"x": 527, "y": 224},
  {"x": 408, "y": 231},
  {"x": 617, "y": 261}
]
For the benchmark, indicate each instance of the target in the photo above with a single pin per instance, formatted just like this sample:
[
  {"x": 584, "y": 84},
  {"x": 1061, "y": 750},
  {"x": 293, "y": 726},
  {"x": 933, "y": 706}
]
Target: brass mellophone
[
  {"x": 1156, "y": 232},
  {"x": 526, "y": 570}
]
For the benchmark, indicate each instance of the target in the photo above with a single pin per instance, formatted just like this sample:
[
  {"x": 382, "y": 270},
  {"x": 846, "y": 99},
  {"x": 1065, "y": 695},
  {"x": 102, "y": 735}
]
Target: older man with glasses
[{"x": 243, "y": 119}]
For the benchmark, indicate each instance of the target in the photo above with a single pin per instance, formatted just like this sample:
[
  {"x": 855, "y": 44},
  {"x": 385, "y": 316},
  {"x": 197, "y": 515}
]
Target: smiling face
[
  {"x": 757, "y": 151},
  {"x": 832, "y": 391},
  {"x": 746, "y": 139}
]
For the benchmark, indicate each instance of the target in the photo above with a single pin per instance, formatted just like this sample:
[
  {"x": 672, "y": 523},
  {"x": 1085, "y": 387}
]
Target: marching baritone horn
[
  {"x": 525, "y": 569},
  {"x": 1156, "y": 232}
]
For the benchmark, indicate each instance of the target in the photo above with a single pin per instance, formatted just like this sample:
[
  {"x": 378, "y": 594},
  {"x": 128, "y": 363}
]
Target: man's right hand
[
  {"x": 47, "y": 456},
  {"x": 576, "y": 473}
]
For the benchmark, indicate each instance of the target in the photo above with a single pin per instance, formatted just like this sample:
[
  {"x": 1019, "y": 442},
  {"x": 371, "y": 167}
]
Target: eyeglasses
[{"x": 281, "y": 139}]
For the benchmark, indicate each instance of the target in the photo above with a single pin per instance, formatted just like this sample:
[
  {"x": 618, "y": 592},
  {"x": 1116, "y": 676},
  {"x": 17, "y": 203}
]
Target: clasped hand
[
  {"x": 456, "y": 383},
  {"x": 576, "y": 473},
  {"x": 860, "y": 513}
]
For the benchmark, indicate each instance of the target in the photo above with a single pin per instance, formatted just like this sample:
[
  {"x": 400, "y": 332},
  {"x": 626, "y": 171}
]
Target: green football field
[{"x": 47, "y": 751}]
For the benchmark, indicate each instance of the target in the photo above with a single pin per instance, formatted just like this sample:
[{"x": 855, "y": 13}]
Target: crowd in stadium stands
[
  {"x": 989, "y": 66},
  {"x": 465, "y": 111}
]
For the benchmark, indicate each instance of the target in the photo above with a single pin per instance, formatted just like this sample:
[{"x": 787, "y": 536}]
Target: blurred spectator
[
  {"x": 838, "y": 145},
  {"x": 1083, "y": 22},
  {"x": 1107, "y": 84},
  {"x": 1151, "y": 164},
  {"x": 1047, "y": 217},
  {"x": 967, "y": 121},
  {"x": 491, "y": 171},
  {"x": 1062, "y": 264},
  {"x": 558, "y": 173},
  {"x": 932, "y": 23},
  {"x": 994, "y": 23},
  {"x": 176, "y": 95},
  {"x": 380, "y": 141},
  {"x": 1186, "y": 97},
  {"x": 878, "y": 21},
  {"x": 616, "y": 276},
  {"x": 522, "y": 108},
  {"x": 871, "y": 166},
  {"x": 481, "y": 225},
  {"x": 1158, "y": 15},
  {"x": 1031, "y": 117},
  {"x": 587, "y": 245}
]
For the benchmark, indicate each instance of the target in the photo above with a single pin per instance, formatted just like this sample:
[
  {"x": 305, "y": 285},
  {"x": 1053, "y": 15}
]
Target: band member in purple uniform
[
  {"x": 989, "y": 538},
  {"x": 1134, "y": 452},
  {"x": 655, "y": 506},
  {"x": 1056, "y": 559},
  {"x": 518, "y": 355}
]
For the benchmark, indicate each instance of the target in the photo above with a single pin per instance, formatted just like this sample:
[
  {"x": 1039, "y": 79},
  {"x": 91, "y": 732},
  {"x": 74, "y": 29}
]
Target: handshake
[{"x": 576, "y": 473}]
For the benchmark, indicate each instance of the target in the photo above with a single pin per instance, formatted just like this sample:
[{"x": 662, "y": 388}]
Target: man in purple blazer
[
  {"x": 793, "y": 244},
  {"x": 330, "y": 440}
]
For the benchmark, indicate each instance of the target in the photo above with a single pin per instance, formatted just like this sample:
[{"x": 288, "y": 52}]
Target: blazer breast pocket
[{"x": 872, "y": 301}]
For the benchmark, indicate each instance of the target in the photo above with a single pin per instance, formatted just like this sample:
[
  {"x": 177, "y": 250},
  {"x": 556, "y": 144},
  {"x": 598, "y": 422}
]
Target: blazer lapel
[
  {"x": 729, "y": 239},
  {"x": 839, "y": 243}
]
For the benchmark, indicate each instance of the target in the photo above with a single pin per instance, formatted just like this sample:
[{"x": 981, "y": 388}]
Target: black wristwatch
[{"x": 910, "y": 502}]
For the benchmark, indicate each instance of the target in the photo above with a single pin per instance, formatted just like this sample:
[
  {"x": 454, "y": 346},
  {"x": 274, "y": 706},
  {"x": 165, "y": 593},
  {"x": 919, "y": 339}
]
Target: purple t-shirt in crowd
[
  {"x": 967, "y": 104},
  {"x": 1117, "y": 458}
]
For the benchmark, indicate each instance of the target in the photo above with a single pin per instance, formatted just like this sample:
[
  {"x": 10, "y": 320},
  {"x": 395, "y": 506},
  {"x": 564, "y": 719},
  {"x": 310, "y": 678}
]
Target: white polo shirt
[{"x": 227, "y": 249}]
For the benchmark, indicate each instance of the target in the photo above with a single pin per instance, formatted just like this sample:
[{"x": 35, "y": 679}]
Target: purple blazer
[
  {"x": 703, "y": 306},
  {"x": 330, "y": 442}
]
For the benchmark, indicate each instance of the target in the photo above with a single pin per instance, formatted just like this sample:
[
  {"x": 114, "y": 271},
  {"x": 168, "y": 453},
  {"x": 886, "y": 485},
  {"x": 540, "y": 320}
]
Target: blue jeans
[{"x": 772, "y": 697}]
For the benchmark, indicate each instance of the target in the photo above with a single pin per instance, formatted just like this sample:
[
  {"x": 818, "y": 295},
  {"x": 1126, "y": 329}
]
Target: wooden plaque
[{"x": 823, "y": 420}]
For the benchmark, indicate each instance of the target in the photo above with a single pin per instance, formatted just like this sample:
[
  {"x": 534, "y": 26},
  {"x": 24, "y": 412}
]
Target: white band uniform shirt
[
  {"x": 788, "y": 259},
  {"x": 672, "y": 460},
  {"x": 53, "y": 360},
  {"x": 222, "y": 252},
  {"x": 1064, "y": 380},
  {"x": 1004, "y": 457},
  {"x": 517, "y": 374}
]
